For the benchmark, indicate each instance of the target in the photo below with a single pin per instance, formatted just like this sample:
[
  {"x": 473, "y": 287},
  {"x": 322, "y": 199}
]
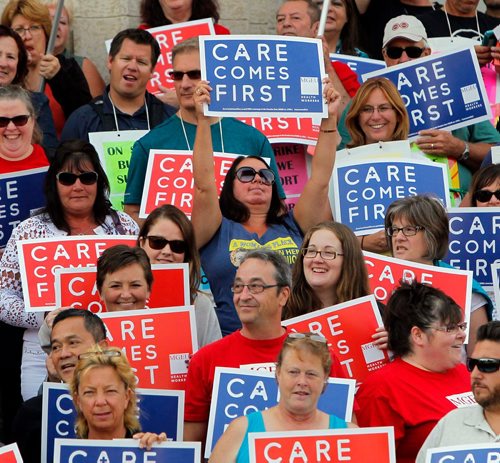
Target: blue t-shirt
[
  {"x": 238, "y": 137},
  {"x": 221, "y": 255},
  {"x": 256, "y": 424}
]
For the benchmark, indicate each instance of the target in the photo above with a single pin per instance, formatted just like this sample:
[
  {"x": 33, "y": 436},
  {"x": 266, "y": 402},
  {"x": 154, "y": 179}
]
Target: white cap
[{"x": 406, "y": 27}]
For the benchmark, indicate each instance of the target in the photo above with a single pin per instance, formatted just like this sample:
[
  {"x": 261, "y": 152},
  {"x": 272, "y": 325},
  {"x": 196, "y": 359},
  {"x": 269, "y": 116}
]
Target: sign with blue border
[
  {"x": 359, "y": 65},
  {"x": 470, "y": 453}
]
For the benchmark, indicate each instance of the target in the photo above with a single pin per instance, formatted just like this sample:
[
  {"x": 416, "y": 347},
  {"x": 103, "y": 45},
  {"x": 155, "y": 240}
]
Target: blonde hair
[
  {"x": 96, "y": 358},
  {"x": 32, "y": 10}
]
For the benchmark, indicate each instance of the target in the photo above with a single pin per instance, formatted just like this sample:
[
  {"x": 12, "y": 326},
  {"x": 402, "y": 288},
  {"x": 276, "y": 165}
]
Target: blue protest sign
[
  {"x": 444, "y": 91},
  {"x": 20, "y": 194},
  {"x": 122, "y": 450},
  {"x": 238, "y": 392},
  {"x": 263, "y": 75},
  {"x": 160, "y": 411},
  {"x": 474, "y": 241},
  {"x": 359, "y": 65},
  {"x": 470, "y": 453},
  {"x": 364, "y": 189}
]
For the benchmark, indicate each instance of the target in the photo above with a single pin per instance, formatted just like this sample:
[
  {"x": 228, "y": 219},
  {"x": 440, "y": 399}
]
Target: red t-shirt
[
  {"x": 347, "y": 76},
  {"x": 36, "y": 159}
]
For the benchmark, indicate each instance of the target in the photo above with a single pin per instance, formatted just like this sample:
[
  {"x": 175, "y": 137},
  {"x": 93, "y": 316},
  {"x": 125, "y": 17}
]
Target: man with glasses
[
  {"x": 178, "y": 133},
  {"x": 125, "y": 104},
  {"x": 478, "y": 423},
  {"x": 260, "y": 291}
]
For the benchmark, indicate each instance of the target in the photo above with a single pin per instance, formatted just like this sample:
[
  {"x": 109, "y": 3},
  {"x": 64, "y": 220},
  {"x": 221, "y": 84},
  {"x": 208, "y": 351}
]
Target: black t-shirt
[{"x": 377, "y": 15}]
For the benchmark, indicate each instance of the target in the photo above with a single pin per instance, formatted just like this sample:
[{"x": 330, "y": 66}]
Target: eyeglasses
[
  {"x": 483, "y": 196},
  {"x": 247, "y": 175},
  {"x": 397, "y": 52},
  {"x": 69, "y": 178},
  {"x": 484, "y": 365},
  {"x": 327, "y": 254},
  {"x": 451, "y": 328},
  {"x": 381, "y": 109},
  {"x": 407, "y": 231},
  {"x": 254, "y": 288},
  {"x": 158, "y": 242},
  {"x": 35, "y": 29},
  {"x": 103, "y": 353},
  {"x": 311, "y": 336},
  {"x": 18, "y": 121},
  {"x": 194, "y": 74}
]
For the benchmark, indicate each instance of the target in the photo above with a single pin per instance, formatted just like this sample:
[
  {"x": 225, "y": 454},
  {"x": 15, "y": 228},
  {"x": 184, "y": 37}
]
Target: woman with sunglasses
[
  {"x": 485, "y": 187},
  {"x": 104, "y": 394},
  {"x": 303, "y": 365},
  {"x": 76, "y": 192},
  {"x": 417, "y": 230},
  {"x": 250, "y": 213},
  {"x": 426, "y": 335},
  {"x": 167, "y": 236}
]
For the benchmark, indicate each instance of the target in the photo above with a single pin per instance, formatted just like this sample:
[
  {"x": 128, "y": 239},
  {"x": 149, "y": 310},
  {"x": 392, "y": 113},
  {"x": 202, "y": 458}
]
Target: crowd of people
[{"x": 265, "y": 261}]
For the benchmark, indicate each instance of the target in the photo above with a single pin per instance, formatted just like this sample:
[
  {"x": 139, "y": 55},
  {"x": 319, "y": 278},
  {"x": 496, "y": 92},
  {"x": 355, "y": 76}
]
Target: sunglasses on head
[
  {"x": 194, "y": 74},
  {"x": 69, "y": 178},
  {"x": 397, "y": 52},
  {"x": 18, "y": 121},
  {"x": 158, "y": 242},
  {"x": 483, "y": 196},
  {"x": 247, "y": 175},
  {"x": 484, "y": 365}
]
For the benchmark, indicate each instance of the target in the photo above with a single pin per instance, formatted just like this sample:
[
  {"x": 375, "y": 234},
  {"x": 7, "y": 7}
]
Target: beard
[{"x": 490, "y": 400}]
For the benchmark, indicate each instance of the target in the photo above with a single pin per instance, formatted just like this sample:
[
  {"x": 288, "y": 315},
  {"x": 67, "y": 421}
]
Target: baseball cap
[{"x": 406, "y": 27}]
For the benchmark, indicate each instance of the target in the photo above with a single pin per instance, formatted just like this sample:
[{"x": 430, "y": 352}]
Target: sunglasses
[
  {"x": 158, "y": 242},
  {"x": 104, "y": 353},
  {"x": 483, "y": 365},
  {"x": 397, "y": 52},
  {"x": 311, "y": 336},
  {"x": 69, "y": 178},
  {"x": 195, "y": 74},
  {"x": 483, "y": 196},
  {"x": 18, "y": 121},
  {"x": 247, "y": 175}
]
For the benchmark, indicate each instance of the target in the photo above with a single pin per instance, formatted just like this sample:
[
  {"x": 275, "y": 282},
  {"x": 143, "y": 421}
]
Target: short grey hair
[
  {"x": 282, "y": 271},
  {"x": 186, "y": 46}
]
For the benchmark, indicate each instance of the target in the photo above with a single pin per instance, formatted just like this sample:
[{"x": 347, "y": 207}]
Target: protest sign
[
  {"x": 495, "y": 271},
  {"x": 385, "y": 274},
  {"x": 21, "y": 193},
  {"x": 363, "y": 189},
  {"x": 124, "y": 450},
  {"x": 76, "y": 287},
  {"x": 157, "y": 342},
  {"x": 39, "y": 258},
  {"x": 322, "y": 446},
  {"x": 258, "y": 75},
  {"x": 437, "y": 93},
  {"x": 303, "y": 130},
  {"x": 467, "y": 453},
  {"x": 495, "y": 154},
  {"x": 10, "y": 454},
  {"x": 114, "y": 150},
  {"x": 359, "y": 65},
  {"x": 159, "y": 411},
  {"x": 169, "y": 179},
  {"x": 474, "y": 241},
  {"x": 350, "y": 340},
  {"x": 291, "y": 160},
  {"x": 237, "y": 392}
]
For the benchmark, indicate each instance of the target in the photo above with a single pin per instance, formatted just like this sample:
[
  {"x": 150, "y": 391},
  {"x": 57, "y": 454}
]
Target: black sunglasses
[
  {"x": 397, "y": 52},
  {"x": 18, "y": 121},
  {"x": 69, "y": 178},
  {"x": 247, "y": 174},
  {"x": 195, "y": 74},
  {"x": 483, "y": 365},
  {"x": 158, "y": 242},
  {"x": 483, "y": 196}
]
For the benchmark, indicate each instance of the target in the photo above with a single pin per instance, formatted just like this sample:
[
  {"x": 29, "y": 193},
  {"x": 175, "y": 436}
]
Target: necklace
[
  {"x": 116, "y": 118},
  {"x": 449, "y": 25},
  {"x": 186, "y": 137}
]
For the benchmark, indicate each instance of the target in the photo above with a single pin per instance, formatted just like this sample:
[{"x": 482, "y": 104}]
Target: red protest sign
[
  {"x": 167, "y": 37},
  {"x": 10, "y": 454},
  {"x": 38, "y": 260},
  {"x": 286, "y": 129},
  {"x": 157, "y": 342},
  {"x": 169, "y": 179},
  {"x": 291, "y": 159},
  {"x": 350, "y": 340},
  {"x": 324, "y": 446},
  {"x": 76, "y": 287}
]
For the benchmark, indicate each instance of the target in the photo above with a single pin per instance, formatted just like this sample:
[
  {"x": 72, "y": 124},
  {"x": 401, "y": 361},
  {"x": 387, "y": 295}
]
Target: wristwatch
[{"x": 466, "y": 154}]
